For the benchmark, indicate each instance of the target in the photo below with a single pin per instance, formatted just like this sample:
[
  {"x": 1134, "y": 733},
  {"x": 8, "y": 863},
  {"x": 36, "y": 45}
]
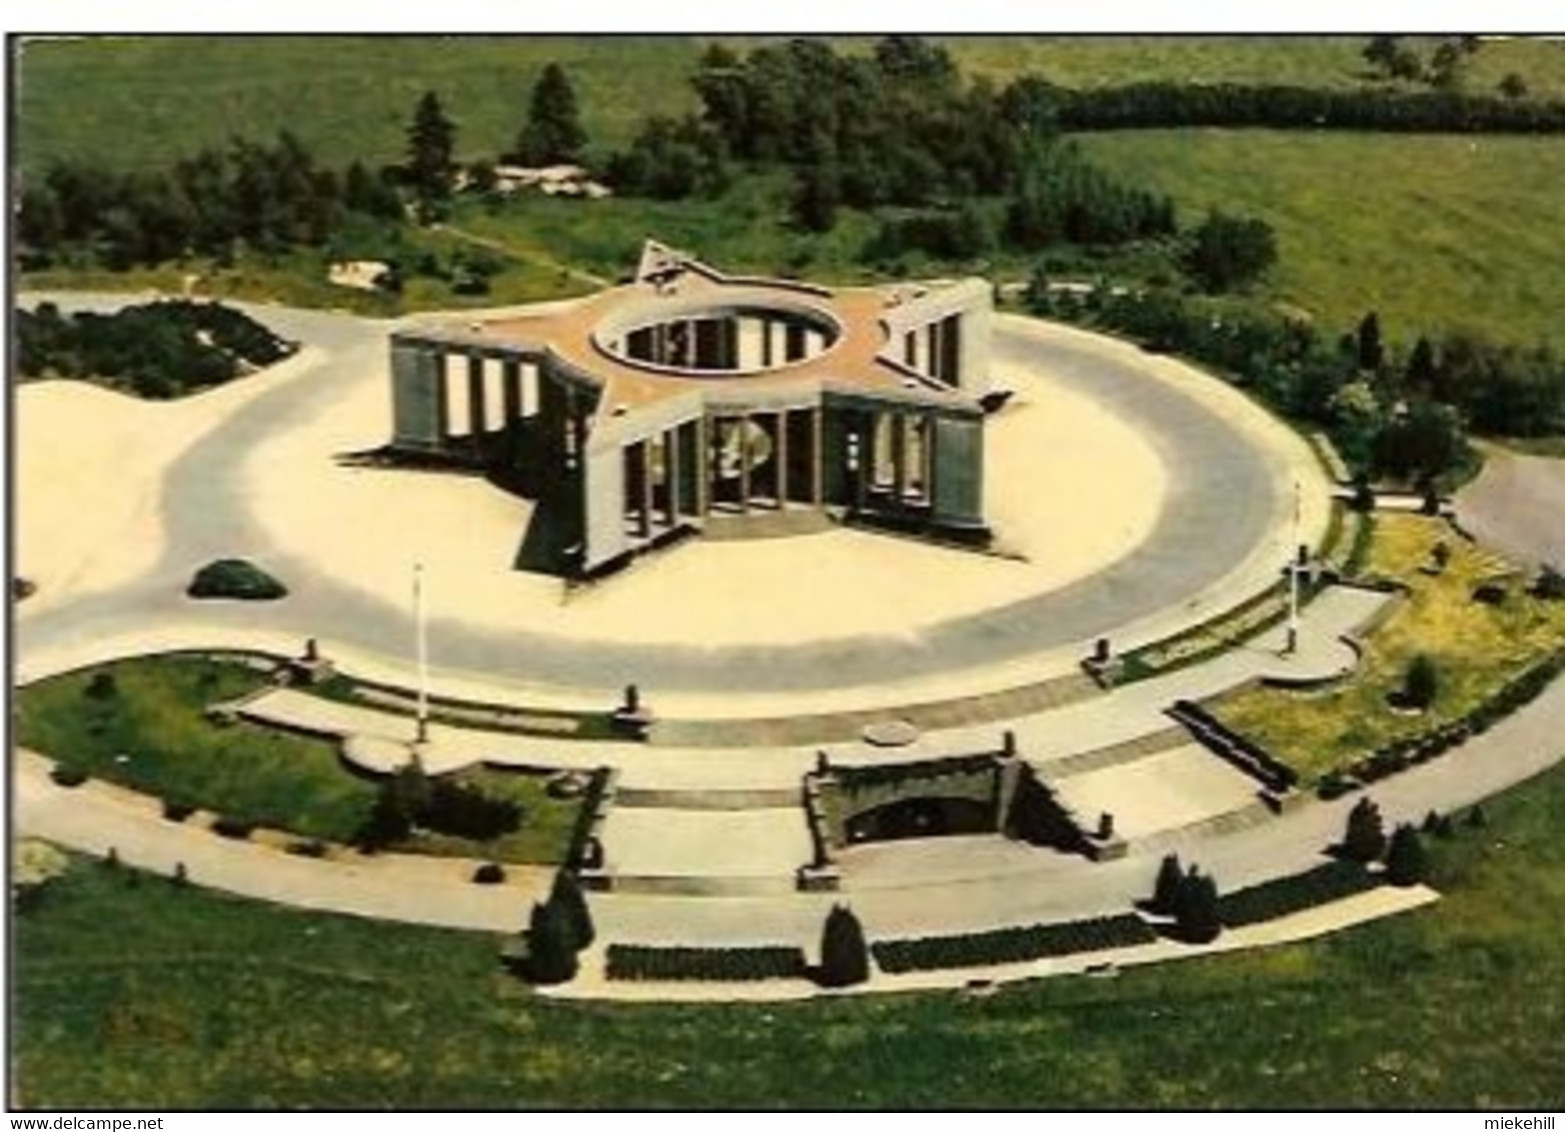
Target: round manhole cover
[{"x": 890, "y": 733}]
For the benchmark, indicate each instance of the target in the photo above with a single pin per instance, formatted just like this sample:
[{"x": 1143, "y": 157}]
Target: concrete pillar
[
  {"x": 475, "y": 395},
  {"x": 704, "y": 469},
  {"x": 766, "y": 341},
  {"x": 899, "y": 477},
  {"x": 780, "y": 458},
  {"x": 744, "y": 463},
  {"x": 645, "y": 525},
  {"x": 671, "y": 477},
  {"x": 817, "y": 458}
]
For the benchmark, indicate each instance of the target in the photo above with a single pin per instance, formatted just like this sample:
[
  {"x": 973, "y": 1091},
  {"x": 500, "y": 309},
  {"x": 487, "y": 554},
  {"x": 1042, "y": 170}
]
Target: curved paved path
[
  {"x": 1517, "y": 506},
  {"x": 1223, "y": 530}
]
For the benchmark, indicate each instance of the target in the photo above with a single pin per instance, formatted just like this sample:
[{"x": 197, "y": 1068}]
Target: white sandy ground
[
  {"x": 89, "y": 472},
  {"x": 1071, "y": 488}
]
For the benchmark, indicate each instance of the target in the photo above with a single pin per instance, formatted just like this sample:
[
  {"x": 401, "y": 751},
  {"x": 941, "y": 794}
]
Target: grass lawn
[
  {"x": 206, "y": 1001},
  {"x": 352, "y": 96},
  {"x": 150, "y": 735},
  {"x": 1476, "y": 648},
  {"x": 1433, "y": 232}
]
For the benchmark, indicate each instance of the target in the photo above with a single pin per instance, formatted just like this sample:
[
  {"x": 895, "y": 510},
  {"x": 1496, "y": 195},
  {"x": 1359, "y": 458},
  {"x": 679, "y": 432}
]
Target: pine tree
[
  {"x": 551, "y": 950},
  {"x": 1405, "y": 861},
  {"x": 844, "y": 955},
  {"x": 553, "y": 133},
  {"x": 431, "y": 144},
  {"x": 566, "y": 896},
  {"x": 1365, "y": 839},
  {"x": 1371, "y": 350},
  {"x": 1165, "y": 891}
]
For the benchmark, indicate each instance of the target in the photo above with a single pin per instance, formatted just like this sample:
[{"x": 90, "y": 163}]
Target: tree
[
  {"x": 431, "y": 145},
  {"x": 1381, "y": 51},
  {"x": 1165, "y": 890},
  {"x": 1365, "y": 838},
  {"x": 1405, "y": 860},
  {"x": 566, "y": 895},
  {"x": 1513, "y": 86},
  {"x": 1196, "y": 915},
  {"x": 844, "y": 955},
  {"x": 1421, "y": 373},
  {"x": 816, "y": 195},
  {"x": 551, "y": 947},
  {"x": 1422, "y": 682},
  {"x": 1229, "y": 251},
  {"x": 1445, "y": 68},
  {"x": 553, "y": 133},
  {"x": 1371, "y": 350}
]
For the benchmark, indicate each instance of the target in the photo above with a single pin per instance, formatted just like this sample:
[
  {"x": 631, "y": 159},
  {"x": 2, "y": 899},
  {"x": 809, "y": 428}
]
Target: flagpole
[
  {"x": 1293, "y": 577},
  {"x": 423, "y": 653}
]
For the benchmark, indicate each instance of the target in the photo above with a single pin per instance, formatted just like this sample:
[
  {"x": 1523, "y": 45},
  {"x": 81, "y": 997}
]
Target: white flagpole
[
  {"x": 423, "y": 652},
  {"x": 1293, "y": 576}
]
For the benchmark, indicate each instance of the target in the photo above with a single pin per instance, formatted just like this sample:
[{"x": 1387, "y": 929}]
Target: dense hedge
[
  {"x": 157, "y": 350},
  {"x": 1167, "y": 104},
  {"x": 235, "y": 578},
  {"x": 1321, "y": 885},
  {"x": 1010, "y": 945},
  {"x": 1249, "y": 757},
  {"x": 635, "y": 963}
]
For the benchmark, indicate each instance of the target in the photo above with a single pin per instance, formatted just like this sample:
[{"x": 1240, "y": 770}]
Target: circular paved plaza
[{"x": 1129, "y": 494}]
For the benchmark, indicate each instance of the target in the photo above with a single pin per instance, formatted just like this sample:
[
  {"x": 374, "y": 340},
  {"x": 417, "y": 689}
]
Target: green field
[
  {"x": 351, "y": 96},
  {"x": 150, "y": 735},
  {"x": 204, "y": 1001},
  {"x": 1433, "y": 232}
]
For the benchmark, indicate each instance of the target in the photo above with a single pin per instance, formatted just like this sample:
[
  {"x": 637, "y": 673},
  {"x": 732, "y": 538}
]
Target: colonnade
[{"x": 739, "y": 342}]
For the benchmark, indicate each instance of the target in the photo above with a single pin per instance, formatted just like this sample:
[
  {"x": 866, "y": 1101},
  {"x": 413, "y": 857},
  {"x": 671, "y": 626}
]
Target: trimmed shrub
[
  {"x": 1550, "y": 584},
  {"x": 312, "y": 848},
  {"x": 177, "y": 811},
  {"x": 1011, "y": 945},
  {"x": 844, "y": 956},
  {"x": 1196, "y": 918},
  {"x": 551, "y": 950},
  {"x": 1365, "y": 837},
  {"x": 101, "y": 686},
  {"x": 704, "y": 964},
  {"x": 236, "y": 579},
  {"x": 68, "y": 775},
  {"x": 1286, "y": 895},
  {"x": 237, "y": 829},
  {"x": 1165, "y": 891},
  {"x": 566, "y": 894},
  {"x": 1421, "y": 684},
  {"x": 1405, "y": 861},
  {"x": 489, "y": 873}
]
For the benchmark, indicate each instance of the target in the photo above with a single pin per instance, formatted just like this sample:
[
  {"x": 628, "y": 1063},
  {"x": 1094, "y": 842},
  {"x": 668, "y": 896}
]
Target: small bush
[
  {"x": 1550, "y": 584},
  {"x": 1405, "y": 862},
  {"x": 312, "y": 848},
  {"x": 236, "y": 579},
  {"x": 68, "y": 775},
  {"x": 101, "y": 686},
  {"x": 236, "y": 829},
  {"x": 1365, "y": 839},
  {"x": 177, "y": 811},
  {"x": 844, "y": 955},
  {"x": 1490, "y": 593},
  {"x": 488, "y": 873},
  {"x": 1421, "y": 684},
  {"x": 1165, "y": 891},
  {"x": 1196, "y": 916}
]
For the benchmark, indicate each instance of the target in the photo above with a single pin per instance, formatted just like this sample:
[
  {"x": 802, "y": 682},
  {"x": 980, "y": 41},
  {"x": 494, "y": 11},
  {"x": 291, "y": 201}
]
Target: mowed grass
[
  {"x": 1476, "y": 648},
  {"x": 151, "y": 735},
  {"x": 351, "y": 96},
  {"x": 196, "y": 1000},
  {"x": 1434, "y": 232}
]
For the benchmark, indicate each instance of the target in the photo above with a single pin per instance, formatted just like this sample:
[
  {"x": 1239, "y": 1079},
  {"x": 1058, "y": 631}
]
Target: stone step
[
  {"x": 759, "y": 798},
  {"x": 645, "y": 884},
  {"x": 1218, "y": 825},
  {"x": 847, "y": 726},
  {"x": 1116, "y": 753}
]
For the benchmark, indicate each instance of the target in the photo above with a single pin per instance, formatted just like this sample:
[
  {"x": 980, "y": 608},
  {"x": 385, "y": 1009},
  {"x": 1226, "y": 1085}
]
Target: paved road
[
  {"x": 1516, "y": 506},
  {"x": 1227, "y": 495}
]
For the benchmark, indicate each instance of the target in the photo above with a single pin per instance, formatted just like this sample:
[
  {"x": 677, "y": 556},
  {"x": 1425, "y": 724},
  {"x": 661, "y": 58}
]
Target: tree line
[
  {"x": 899, "y": 128},
  {"x": 1152, "y": 105}
]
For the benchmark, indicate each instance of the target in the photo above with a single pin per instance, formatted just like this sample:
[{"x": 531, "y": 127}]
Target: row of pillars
[
  {"x": 935, "y": 350},
  {"x": 731, "y": 342},
  {"x": 481, "y": 404},
  {"x": 703, "y": 441}
]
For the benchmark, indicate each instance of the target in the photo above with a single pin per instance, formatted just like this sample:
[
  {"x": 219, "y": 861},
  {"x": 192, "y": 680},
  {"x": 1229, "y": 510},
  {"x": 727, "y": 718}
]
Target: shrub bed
[
  {"x": 1321, "y": 885},
  {"x": 635, "y": 963},
  {"x": 235, "y": 578},
  {"x": 67, "y": 775},
  {"x": 1010, "y": 945}
]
